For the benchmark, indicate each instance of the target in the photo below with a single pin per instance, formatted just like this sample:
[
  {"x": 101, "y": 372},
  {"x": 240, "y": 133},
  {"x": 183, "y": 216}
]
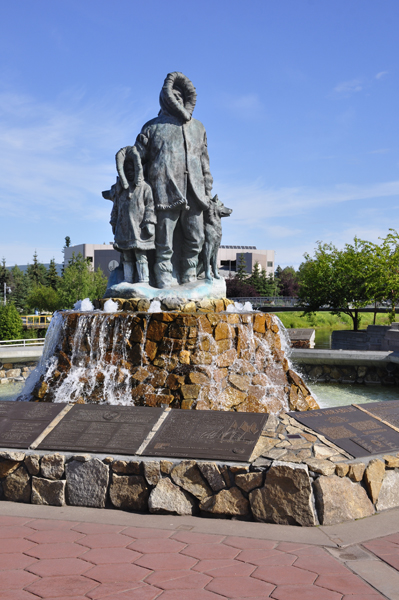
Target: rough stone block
[
  {"x": 198, "y": 378},
  {"x": 373, "y": 478},
  {"x": 190, "y": 391},
  {"x": 46, "y": 491},
  {"x": 320, "y": 466},
  {"x": 167, "y": 497},
  {"x": 52, "y": 466},
  {"x": 32, "y": 463},
  {"x": 286, "y": 497},
  {"x": 152, "y": 472},
  {"x": 124, "y": 467},
  {"x": 249, "y": 481},
  {"x": 356, "y": 471},
  {"x": 17, "y": 486},
  {"x": 166, "y": 466},
  {"x": 389, "y": 493},
  {"x": 230, "y": 503},
  {"x": 338, "y": 499},
  {"x": 222, "y": 331},
  {"x": 188, "y": 476},
  {"x": 10, "y": 455},
  {"x": 7, "y": 467},
  {"x": 341, "y": 469},
  {"x": 391, "y": 462},
  {"x": 129, "y": 492},
  {"x": 213, "y": 475},
  {"x": 87, "y": 483},
  {"x": 242, "y": 382}
]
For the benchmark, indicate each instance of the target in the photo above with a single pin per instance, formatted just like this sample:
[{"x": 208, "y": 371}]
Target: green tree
[
  {"x": 242, "y": 274},
  {"x": 385, "y": 282},
  {"x": 52, "y": 277},
  {"x": 268, "y": 284},
  {"x": 10, "y": 323},
  {"x": 20, "y": 286},
  {"x": 43, "y": 298},
  {"x": 255, "y": 278},
  {"x": 5, "y": 274},
  {"x": 79, "y": 282},
  {"x": 288, "y": 282},
  {"x": 337, "y": 279},
  {"x": 37, "y": 272}
]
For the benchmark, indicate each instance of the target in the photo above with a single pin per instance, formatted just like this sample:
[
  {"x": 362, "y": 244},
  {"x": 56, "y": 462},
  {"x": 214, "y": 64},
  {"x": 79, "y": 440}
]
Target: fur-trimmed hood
[
  {"x": 131, "y": 169},
  {"x": 168, "y": 102}
]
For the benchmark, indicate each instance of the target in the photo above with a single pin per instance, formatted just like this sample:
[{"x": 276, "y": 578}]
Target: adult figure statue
[{"x": 174, "y": 153}]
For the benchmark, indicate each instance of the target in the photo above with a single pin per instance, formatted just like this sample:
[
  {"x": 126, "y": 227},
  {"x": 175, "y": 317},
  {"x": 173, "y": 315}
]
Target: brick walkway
[{"x": 70, "y": 560}]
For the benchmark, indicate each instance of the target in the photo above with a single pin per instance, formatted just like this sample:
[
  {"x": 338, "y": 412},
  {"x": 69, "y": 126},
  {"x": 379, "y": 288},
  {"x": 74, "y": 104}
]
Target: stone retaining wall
[
  {"x": 375, "y": 337},
  {"x": 296, "y": 477},
  {"x": 386, "y": 374},
  {"x": 10, "y": 372}
]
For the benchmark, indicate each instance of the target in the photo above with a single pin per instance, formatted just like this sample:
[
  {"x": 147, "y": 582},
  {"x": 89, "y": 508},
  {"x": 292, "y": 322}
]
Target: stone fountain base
[{"x": 198, "y": 360}]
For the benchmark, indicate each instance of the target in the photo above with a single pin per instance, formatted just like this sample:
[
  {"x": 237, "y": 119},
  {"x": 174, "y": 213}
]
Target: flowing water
[
  {"x": 100, "y": 348},
  {"x": 99, "y": 361}
]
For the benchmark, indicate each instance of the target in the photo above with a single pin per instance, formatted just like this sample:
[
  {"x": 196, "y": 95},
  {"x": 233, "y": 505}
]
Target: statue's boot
[
  {"x": 163, "y": 275},
  {"x": 143, "y": 273},
  {"x": 189, "y": 270},
  {"x": 128, "y": 271}
]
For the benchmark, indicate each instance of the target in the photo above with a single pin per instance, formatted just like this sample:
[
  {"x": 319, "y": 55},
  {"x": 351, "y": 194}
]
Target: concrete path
[{"x": 74, "y": 553}]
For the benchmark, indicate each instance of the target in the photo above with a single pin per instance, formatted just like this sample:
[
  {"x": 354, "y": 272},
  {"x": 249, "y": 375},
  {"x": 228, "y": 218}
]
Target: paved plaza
[{"x": 74, "y": 553}]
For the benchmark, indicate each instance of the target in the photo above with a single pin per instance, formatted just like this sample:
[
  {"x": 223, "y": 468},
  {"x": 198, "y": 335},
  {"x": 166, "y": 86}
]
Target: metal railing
[
  {"x": 36, "y": 321},
  {"x": 22, "y": 343},
  {"x": 268, "y": 300}
]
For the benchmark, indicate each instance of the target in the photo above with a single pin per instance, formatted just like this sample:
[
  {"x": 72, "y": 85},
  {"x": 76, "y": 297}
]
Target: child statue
[{"x": 133, "y": 218}]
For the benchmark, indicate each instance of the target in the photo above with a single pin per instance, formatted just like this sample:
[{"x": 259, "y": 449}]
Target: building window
[{"x": 269, "y": 263}]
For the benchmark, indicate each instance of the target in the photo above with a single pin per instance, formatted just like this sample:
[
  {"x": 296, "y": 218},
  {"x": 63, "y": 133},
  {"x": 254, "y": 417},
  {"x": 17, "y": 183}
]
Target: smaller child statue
[{"x": 133, "y": 217}]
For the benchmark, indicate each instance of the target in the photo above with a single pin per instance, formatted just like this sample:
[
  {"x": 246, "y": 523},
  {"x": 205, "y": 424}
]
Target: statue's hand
[{"x": 150, "y": 229}]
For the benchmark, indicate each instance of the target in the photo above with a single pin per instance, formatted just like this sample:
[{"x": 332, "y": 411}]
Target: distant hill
[{"x": 24, "y": 267}]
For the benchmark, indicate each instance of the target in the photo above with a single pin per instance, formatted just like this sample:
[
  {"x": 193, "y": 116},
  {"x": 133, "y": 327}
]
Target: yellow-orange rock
[
  {"x": 227, "y": 358},
  {"x": 156, "y": 331},
  {"x": 222, "y": 331},
  {"x": 242, "y": 382}
]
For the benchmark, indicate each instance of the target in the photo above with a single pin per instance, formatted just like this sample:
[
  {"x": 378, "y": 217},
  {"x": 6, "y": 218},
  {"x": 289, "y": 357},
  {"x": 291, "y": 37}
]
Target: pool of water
[
  {"x": 323, "y": 339},
  {"x": 341, "y": 394},
  {"x": 327, "y": 394},
  {"x": 9, "y": 391}
]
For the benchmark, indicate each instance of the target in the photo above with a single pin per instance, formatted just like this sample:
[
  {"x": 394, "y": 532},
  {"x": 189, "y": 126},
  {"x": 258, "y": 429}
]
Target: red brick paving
[{"x": 64, "y": 560}]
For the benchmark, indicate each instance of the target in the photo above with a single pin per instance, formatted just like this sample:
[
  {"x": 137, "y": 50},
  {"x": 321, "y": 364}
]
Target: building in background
[
  {"x": 229, "y": 257},
  {"x": 105, "y": 257}
]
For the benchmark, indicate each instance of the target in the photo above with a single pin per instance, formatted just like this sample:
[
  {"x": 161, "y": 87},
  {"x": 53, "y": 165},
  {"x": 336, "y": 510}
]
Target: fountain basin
[{"x": 202, "y": 361}]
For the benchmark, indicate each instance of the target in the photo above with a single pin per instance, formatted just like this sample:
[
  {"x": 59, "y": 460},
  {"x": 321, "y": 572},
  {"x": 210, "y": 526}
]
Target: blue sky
[{"x": 299, "y": 99}]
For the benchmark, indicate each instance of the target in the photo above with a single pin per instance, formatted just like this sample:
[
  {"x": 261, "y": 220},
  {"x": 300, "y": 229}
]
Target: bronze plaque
[
  {"x": 351, "y": 429},
  {"x": 22, "y": 422},
  {"x": 387, "y": 411},
  {"x": 102, "y": 428},
  {"x": 207, "y": 434}
]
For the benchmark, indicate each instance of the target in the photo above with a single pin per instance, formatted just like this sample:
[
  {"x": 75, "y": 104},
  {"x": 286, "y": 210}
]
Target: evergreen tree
[
  {"x": 5, "y": 275},
  {"x": 52, "y": 277},
  {"x": 20, "y": 286},
  {"x": 37, "y": 272},
  {"x": 10, "y": 323},
  {"x": 255, "y": 279},
  {"x": 267, "y": 285},
  {"x": 242, "y": 268}
]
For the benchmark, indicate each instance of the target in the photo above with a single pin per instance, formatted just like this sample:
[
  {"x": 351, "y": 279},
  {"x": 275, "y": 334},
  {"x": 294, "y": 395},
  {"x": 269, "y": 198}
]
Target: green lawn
[{"x": 325, "y": 320}]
